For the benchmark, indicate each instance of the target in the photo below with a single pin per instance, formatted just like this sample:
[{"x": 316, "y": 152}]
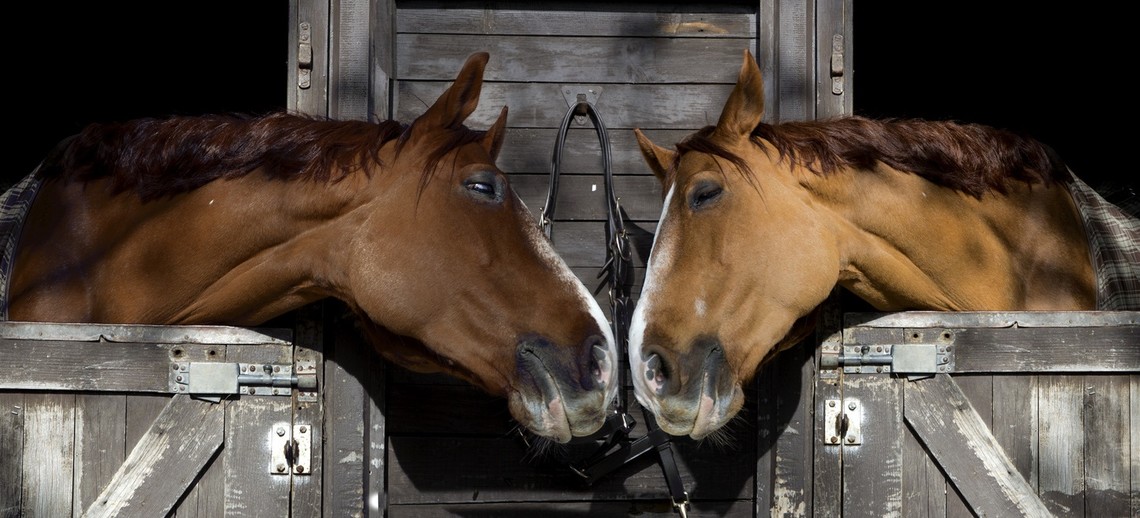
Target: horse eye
[
  {"x": 483, "y": 188},
  {"x": 704, "y": 194}
]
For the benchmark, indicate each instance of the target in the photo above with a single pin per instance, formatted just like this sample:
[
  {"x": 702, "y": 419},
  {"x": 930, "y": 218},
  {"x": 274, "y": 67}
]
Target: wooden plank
[
  {"x": 250, "y": 488},
  {"x": 1015, "y": 422},
  {"x": 582, "y": 197},
  {"x": 311, "y": 95},
  {"x": 978, "y": 390},
  {"x": 309, "y": 332},
  {"x": 123, "y": 367},
  {"x": 12, "y": 410},
  {"x": 793, "y": 96},
  {"x": 827, "y": 461},
  {"x": 578, "y": 242},
  {"x": 99, "y": 443},
  {"x": 383, "y": 41},
  {"x": 962, "y": 445},
  {"x": 924, "y": 488},
  {"x": 655, "y": 20},
  {"x": 349, "y": 62},
  {"x": 528, "y": 150},
  {"x": 835, "y": 28},
  {"x": 179, "y": 443},
  {"x": 1062, "y": 349},
  {"x": 48, "y": 456},
  {"x": 795, "y": 442},
  {"x": 640, "y": 508},
  {"x": 872, "y": 477},
  {"x": 543, "y": 105},
  {"x": 765, "y": 404},
  {"x": 345, "y": 455},
  {"x": 1062, "y": 444},
  {"x": 1134, "y": 438},
  {"x": 581, "y": 59},
  {"x": 1108, "y": 445}
]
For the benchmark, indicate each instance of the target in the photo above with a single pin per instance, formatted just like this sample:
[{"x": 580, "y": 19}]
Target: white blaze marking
[
  {"x": 699, "y": 307},
  {"x": 660, "y": 256},
  {"x": 550, "y": 255}
]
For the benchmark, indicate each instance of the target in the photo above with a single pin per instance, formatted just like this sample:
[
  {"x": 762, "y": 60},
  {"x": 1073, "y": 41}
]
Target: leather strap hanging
[{"x": 616, "y": 448}]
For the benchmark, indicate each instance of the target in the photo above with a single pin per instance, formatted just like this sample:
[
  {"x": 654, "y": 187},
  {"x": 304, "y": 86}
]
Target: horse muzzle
[
  {"x": 563, "y": 392},
  {"x": 692, "y": 394}
]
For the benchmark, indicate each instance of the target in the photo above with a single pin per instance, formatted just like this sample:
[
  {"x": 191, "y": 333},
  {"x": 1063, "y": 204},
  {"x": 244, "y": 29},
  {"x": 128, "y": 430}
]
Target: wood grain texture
[
  {"x": 12, "y": 411},
  {"x": 1108, "y": 445},
  {"x": 179, "y": 443},
  {"x": 872, "y": 475},
  {"x": 49, "y": 447},
  {"x": 694, "y": 20},
  {"x": 106, "y": 366},
  {"x": 580, "y": 59},
  {"x": 99, "y": 449},
  {"x": 543, "y": 104},
  {"x": 962, "y": 445},
  {"x": 1062, "y": 443}
]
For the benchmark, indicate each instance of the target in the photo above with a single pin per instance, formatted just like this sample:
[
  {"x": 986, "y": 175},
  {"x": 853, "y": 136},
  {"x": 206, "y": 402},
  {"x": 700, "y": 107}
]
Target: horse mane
[
  {"x": 161, "y": 157},
  {"x": 970, "y": 158}
]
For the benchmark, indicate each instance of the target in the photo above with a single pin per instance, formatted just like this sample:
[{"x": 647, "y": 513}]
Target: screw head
[
  {"x": 851, "y": 406},
  {"x": 304, "y": 429},
  {"x": 300, "y": 469},
  {"x": 280, "y": 468},
  {"x": 281, "y": 431},
  {"x": 831, "y": 403},
  {"x": 834, "y": 439},
  {"x": 851, "y": 439}
]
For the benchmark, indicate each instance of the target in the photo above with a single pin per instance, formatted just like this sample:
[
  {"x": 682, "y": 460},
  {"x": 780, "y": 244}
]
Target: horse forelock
[
  {"x": 971, "y": 158},
  {"x": 160, "y": 157}
]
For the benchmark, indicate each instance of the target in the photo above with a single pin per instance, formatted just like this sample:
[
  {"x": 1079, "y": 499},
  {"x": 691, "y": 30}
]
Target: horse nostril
[
  {"x": 655, "y": 374},
  {"x": 600, "y": 367}
]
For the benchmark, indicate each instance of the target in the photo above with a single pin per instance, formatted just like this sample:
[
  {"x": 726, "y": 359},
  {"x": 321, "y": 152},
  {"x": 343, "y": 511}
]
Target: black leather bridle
[{"x": 616, "y": 448}]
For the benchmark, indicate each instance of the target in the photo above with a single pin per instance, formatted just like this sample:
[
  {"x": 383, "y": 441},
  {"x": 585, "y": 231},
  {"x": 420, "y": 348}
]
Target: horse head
[
  {"x": 737, "y": 261},
  {"x": 452, "y": 273}
]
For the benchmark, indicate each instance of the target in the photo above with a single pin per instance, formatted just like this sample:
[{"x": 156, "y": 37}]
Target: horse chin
[
  {"x": 714, "y": 408},
  {"x": 538, "y": 404}
]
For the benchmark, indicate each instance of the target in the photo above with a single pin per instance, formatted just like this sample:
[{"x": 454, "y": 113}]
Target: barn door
[
  {"x": 984, "y": 414},
  {"x": 152, "y": 420}
]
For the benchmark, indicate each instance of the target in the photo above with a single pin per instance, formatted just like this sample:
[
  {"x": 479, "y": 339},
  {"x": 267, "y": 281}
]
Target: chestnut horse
[
  {"x": 761, "y": 221},
  {"x": 236, "y": 220}
]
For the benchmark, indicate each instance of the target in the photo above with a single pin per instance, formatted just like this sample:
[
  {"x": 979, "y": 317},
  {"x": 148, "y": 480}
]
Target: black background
[{"x": 1058, "y": 71}]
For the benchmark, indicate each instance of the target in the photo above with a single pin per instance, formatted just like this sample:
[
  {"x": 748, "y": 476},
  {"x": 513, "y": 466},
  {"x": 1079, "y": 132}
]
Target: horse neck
[
  {"x": 909, "y": 244},
  {"x": 237, "y": 251}
]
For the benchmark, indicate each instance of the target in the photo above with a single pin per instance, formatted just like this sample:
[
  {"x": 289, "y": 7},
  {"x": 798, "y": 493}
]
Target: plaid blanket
[
  {"x": 14, "y": 205},
  {"x": 1114, "y": 243}
]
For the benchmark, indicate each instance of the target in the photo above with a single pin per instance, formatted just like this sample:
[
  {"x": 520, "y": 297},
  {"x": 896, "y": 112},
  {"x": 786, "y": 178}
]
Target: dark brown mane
[
  {"x": 142, "y": 154},
  {"x": 968, "y": 157}
]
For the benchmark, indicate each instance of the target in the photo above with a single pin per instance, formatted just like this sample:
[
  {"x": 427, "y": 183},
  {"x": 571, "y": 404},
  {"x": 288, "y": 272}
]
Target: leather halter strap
[{"x": 616, "y": 448}]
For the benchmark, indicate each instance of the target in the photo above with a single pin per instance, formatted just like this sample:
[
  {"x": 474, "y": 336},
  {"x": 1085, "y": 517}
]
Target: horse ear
[
  {"x": 745, "y": 106},
  {"x": 493, "y": 140},
  {"x": 658, "y": 158},
  {"x": 460, "y": 99}
]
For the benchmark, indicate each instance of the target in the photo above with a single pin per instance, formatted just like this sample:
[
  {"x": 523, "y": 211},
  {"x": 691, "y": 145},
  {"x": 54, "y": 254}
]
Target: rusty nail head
[
  {"x": 280, "y": 468},
  {"x": 834, "y": 439},
  {"x": 300, "y": 469},
  {"x": 304, "y": 429},
  {"x": 851, "y": 438}
]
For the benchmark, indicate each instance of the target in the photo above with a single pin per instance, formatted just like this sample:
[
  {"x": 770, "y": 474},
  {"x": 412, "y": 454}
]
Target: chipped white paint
[{"x": 352, "y": 458}]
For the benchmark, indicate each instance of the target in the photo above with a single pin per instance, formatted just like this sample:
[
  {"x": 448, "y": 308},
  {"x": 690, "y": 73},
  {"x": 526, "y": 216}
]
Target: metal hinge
[
  {"x": 218, "y": 378},
  {"x": 290, "y": 447},
  {"x": 916, "y": 356}
]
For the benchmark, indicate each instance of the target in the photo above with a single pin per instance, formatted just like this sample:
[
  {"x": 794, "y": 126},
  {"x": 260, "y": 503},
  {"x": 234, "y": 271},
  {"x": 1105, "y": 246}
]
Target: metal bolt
[
  {"x": 274, "y": 392},
  {"x": 179, "y": 378},
  {"x": 276, "y": 368},
  {"x": 252, "y": 368},
  {"x": 878, "y": 348},
  {"x": 300, "y": 469},
  {"x": 175, "y": 366},
  {"x": 280, "y": 431},
  {"x": 851, "y": 439},
  {"x": 304, "y": 429},
  {"x": 280, "y": 468},
  {"x": 251, "y": 390},
  {"x": 831, "y": 403},
  {"x": 182, "y": 388},
  {"x": 851, "y": 406},
  {"x": 834, "y": 439}
]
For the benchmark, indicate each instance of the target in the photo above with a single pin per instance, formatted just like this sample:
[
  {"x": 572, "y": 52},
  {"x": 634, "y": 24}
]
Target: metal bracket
[
  {"x": 841, "y": 422},
  {"x": 575, "y": 94},
  {"x": 304, "y": 56},
  {"x": 837, "y": 67},
  {"x": 917, "y": 356},
  {"x": 290, "y": 453},
  {"x": 216, "y": 378}
]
